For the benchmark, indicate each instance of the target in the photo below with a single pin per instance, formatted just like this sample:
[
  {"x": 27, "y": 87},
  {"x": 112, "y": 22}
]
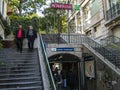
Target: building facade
[
  {"x": 97, "y": 19},
  {"x": 3, "y": 17}
]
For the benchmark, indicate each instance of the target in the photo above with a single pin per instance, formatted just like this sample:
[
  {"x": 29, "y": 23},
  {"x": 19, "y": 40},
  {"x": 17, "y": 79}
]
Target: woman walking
[{"x": 19, "y": 35}]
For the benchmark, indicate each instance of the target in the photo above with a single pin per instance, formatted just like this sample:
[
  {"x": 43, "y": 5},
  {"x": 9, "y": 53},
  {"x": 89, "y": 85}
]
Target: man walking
[{"x": 31, "y": 35}]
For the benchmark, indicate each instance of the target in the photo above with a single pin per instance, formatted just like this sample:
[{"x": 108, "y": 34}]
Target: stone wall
[{"x": 106, "y": 78}]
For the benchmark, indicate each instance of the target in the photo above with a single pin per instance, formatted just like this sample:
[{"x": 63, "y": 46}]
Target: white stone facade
[
  {"x": 3, "y": 11},
  {"x": 93, "y": 20}
]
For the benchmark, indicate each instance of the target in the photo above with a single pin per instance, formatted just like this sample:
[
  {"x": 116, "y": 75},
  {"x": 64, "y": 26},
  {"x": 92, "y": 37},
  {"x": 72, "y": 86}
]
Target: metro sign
[{"x": 61, "y": 6}]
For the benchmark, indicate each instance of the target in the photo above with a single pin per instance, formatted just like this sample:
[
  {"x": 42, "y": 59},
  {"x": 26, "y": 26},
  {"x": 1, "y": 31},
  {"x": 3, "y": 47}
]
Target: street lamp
[
  {"x": 59, "y": 27},
  {"x": 46, "y": 13}
]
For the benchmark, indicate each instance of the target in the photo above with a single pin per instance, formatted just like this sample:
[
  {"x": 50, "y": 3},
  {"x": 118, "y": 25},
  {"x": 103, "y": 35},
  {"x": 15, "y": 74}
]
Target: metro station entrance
[{"x": 66, "y": 66}]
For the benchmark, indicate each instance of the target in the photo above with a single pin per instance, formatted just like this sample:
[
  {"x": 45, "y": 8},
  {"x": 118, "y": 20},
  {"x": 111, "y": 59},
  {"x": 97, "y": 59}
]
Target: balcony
[{"x": 113, "y": 12}]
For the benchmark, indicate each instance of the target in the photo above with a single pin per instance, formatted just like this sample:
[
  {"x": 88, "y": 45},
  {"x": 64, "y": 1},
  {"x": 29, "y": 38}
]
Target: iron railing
[
  {"x": 49, "y": 72},
  {"x": 52, "y": 38},
  {"x": 109, "y": 40},
  {"x": 113, "y": 11},
  {"x": 81, "y": 39}
]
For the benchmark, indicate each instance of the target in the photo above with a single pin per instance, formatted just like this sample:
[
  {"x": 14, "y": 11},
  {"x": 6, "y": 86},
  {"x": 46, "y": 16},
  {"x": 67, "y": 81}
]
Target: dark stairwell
[{"x": 19, "y": 71}]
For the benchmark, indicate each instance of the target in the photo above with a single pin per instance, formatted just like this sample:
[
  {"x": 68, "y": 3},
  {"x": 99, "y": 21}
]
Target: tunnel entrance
[{"x": 67, "y": 66}]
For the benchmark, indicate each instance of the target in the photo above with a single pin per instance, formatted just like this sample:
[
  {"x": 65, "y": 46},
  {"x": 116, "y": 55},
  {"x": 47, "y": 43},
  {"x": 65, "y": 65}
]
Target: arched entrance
[{"x": 66, "y": 63}]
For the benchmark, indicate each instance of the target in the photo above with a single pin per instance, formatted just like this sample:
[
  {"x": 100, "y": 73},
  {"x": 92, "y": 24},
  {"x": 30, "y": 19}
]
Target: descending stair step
[
  {"x": 21, "y": 83},
  {"x": 16, "y": 70},
  {"x": 20, "y": 78},
  {"x": 22, "y": 58},
  {"x": 25, "y": 88},
  {"x": 20, "y": 66},
  {"x": 20, "y": 71},
  {"x": 19, "y": 74}
]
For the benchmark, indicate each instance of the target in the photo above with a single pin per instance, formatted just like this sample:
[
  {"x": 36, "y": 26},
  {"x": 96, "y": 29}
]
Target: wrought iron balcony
[{"x": 113, "y": 12}]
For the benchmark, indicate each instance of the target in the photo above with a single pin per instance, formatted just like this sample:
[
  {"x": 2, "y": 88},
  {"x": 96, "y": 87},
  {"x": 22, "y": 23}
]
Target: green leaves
[
  {"x": 24, "y": 21},
  {"x": 25, "y": 6}
]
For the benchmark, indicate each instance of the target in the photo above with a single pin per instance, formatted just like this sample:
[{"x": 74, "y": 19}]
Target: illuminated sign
[{"x": 61, "y": 6}]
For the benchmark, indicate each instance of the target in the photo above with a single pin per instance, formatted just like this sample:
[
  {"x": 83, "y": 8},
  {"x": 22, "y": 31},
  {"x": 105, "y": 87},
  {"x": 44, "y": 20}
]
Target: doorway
[{"x": 68, "y": 66}]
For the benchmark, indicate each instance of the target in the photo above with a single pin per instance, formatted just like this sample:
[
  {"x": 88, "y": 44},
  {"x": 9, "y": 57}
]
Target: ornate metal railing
[
  {"x": 52, "y": 38},
  {"x": 113, "y": 12},
  {"x": 109, "y": 40},
  {"x": 81, "y": 39}
]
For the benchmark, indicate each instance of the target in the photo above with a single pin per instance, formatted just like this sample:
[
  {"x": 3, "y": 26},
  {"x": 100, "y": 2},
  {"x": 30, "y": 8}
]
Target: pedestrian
[
  {"x": 19, "y": 36},
  {"x": 31, "y": 35},
  {"x": 71, "y": 79},
  {"x": 64, "y": 79}
]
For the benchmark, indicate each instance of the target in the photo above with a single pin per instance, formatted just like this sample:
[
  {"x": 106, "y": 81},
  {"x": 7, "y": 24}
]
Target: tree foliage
[
  {"x": 24, "y": 21},
  {"x": 50, "y": 20},
  {"x": 25, "y": 6}
]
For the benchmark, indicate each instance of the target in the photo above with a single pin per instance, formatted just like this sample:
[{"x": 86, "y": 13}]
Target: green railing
[
  {"x": 49, "y": 72},
  {"x": 81, "y": 39},
  {"x": 109, "y": 40}
]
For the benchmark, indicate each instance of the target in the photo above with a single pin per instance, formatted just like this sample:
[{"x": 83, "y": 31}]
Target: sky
[{"x": 39, "y": 12}]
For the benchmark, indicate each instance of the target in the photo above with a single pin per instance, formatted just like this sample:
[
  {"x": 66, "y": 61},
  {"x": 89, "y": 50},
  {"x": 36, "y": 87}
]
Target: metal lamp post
[
  {"x": 59, "y": 27},
  {"x": 46, "y": 23}
]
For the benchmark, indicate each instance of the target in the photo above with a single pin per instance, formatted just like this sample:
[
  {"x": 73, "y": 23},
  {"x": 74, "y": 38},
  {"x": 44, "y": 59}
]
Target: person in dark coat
[
  {"x": 31, "y": 35},
  {"x": 19, "y": 36},
  {"x": 71, "y": 79}
]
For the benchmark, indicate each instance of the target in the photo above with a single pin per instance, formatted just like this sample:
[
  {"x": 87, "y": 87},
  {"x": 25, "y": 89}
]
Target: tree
[
  {"x": 50, "y": 20},
  {"x": 25, "y": 6},
  {"x": 24, "y": 21}
]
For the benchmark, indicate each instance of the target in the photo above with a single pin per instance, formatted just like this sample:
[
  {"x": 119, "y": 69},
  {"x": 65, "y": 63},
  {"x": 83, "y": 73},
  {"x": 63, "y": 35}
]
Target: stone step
[
  {"x": 21, "y": 83},
  {"x": 18, "y": 70},
  {"x": 20, "y": 66},
  {"x": 20, "y": 78},
  {"x": 19, "y": 74},
  {"x": 25, "y": 88}
]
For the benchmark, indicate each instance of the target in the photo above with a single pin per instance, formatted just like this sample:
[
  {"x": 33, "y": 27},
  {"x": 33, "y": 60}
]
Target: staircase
[
  {"x": 19, "y": 71},
  {"x": 96, "y": 48}
]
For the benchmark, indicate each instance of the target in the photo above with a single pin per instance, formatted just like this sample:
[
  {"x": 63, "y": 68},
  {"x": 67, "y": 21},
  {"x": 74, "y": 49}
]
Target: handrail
[
  {"x": 81, "y": 39},
  {"x": 109, "y": 40},
  {"x": 52, "y": 83}
]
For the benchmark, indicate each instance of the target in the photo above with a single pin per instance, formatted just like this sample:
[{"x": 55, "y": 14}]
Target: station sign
[
  {"x": 61, "y": 6},
  {"x": 63, "y": 49}
]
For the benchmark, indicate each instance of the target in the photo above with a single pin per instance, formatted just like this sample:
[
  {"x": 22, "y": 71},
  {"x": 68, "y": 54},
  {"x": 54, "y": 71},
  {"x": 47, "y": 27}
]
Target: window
[
  {"x": 94, "y": 7},
  {"x": 88, "y": 33},
  {"x": 86, "y": 11},
  {"x": 95, "y": 30},
  {"x": 113, "y": 2}
]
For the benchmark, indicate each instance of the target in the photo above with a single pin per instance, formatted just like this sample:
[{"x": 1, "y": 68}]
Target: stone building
[
  {"x": 3, "y": 17},
  {"x": 97, "y": 19}
]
